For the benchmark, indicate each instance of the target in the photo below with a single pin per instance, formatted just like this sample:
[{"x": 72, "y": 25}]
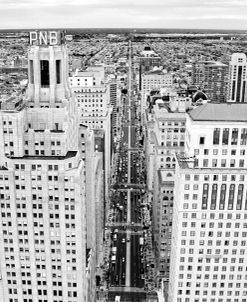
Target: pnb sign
[{"x": 46, "y": 37}]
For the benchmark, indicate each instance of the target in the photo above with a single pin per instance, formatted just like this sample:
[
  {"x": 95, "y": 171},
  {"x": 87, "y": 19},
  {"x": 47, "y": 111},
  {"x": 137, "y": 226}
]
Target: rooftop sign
[{"x": 43, "y": 37}]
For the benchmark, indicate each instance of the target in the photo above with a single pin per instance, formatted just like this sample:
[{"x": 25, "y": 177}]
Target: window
[
  {"x": 225, "y": 136},
  {"x": 44, "y": 73},
  {"x": 214, "y": 163},
  {"x": 205, "y": 163},
  {"x": 231, "y": 197},
  {"x": 232, "y": 163},
  {"x": 31, "y": 71},
  {"x": 243, "y": 137},
  {"x": 216, "y": 137},
  {"x": 222, "y": 197},
  {"x": 205, "y": 197},
  {"x": 234, "y": 139},
  {"x": 214, "y": 197},
  {"x": 241, "y": 163},
  {"x": 202, "y": 140},
  {"x": 240, "y": 197},
  {"x": 58, "y": 71}
]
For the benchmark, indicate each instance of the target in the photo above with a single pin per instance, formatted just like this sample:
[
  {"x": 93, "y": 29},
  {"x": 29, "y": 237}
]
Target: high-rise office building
[
  {"x": 237, "y": 78},
  {"x": 113, "y": 98},
  {"x": 211, "y": 77},
  {"x": 42, "y": 192},
  {"x": 208, "y": 254}
]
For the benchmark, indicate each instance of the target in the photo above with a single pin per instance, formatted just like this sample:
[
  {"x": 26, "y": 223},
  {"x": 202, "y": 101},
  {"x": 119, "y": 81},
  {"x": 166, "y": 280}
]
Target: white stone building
[
  {"x": 208, "y": 254},
  {"x": 94, "y": 105},
  {"x": 42, "y": 192},
  {"x": 166, "y": 137}
]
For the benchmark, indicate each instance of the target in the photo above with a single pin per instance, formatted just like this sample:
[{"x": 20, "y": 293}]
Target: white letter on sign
[
  {"x": 53, "y": 38},
  {"x": 43, "y": 36},
  {"x": 33, "y": 37}
]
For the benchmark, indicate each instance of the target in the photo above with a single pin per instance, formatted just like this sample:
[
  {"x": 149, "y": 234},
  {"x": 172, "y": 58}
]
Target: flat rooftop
[{"x": 228, "y": 112}]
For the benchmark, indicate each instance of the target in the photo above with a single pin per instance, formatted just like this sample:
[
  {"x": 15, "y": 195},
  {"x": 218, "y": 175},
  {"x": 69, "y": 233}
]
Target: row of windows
[
  {"x": 222, "y": 163},
  {"x": 216, "y": 152},
  {"x": 213, "y": 216},
  {"x": 212, "y": 293},
  {"x": 211, "y": 300},
  {"x": 215, "y": 177},
  {"x": 226, "y": 139},
  {"x": 232, "y": 190}
]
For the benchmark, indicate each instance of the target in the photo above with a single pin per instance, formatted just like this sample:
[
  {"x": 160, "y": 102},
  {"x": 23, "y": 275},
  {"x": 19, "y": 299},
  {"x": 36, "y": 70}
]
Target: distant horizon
[{"x": 125, "y": 28}]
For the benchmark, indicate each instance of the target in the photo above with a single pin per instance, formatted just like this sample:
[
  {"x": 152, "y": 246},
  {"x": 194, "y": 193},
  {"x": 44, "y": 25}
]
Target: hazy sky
[{"x": 219, "y": 14}]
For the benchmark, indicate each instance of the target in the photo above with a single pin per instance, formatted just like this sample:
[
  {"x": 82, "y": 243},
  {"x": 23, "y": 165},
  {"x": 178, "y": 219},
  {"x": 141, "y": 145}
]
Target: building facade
[
  {"x": 43, "y": 210},
  {"x": 212, "y": 78},
  {"x": 93, "y": 101},
  {"x": 166, "y": 137},
  {"x": 237, "y": 78},
  {"x": 208, "y": 250},
  {"x": 153, "y": 80}
]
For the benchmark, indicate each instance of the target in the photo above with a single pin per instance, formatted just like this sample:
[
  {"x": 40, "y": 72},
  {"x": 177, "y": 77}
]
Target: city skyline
[{"x": 207, "y": 14}]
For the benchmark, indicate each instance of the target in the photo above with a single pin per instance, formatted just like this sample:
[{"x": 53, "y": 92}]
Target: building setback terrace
[{"x": 69, "y": 154}]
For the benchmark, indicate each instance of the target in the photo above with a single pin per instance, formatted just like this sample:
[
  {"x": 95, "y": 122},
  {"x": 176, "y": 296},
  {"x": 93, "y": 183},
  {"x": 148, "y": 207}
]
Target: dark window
[
  {"x": 234, "y": 139},
  {"x": 233, "y": 89},
  {"x": 44, "y": 73},
  {"x": 58, "y": 71},
  {"x": 225, "y": 136},
  {"x": 243, "y": 137},
  {"x": 245, "y": 206},
  {"x": 243, "y": 91},
  {"x": 205, "y": 197},
  {"x": 231, "y": 197},
  {"x": 31, "y": 71},
  {"x": 239, "y": 81},
  {"x": 216, "y": 139},
  {"x": 202, "y": 140},
  {"x": 240, "y": 197},
  {"x": 222, "y": 197},
  {"x": 214, "y": 197}
]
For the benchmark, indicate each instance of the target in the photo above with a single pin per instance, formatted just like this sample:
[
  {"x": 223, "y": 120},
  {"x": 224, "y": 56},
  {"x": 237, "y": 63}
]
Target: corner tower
[{"x": 48, "y": 70}]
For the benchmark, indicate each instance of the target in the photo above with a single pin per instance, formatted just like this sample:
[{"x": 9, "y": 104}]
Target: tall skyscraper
[
  {"x": 42, "y": 193},
  {"x": 211, "y": 77},
  {"x": 237, "y": 78},
  {"x": 208, "y": 253}
]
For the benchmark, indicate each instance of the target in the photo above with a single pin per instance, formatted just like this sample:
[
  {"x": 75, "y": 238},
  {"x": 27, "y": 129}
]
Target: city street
[{"x": 126, "y": 221}]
